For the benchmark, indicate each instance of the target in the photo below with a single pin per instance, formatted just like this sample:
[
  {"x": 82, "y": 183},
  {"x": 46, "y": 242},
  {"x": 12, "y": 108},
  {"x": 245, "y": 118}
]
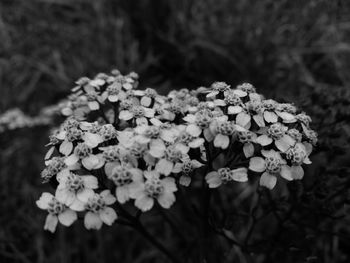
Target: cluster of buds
[
  {"x": 120, "y": 144},
  {"x": 15, "y": 118}
]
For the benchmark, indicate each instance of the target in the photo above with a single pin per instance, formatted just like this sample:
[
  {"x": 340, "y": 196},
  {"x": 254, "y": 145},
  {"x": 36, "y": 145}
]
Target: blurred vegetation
[{"x": 296, "y": 51}]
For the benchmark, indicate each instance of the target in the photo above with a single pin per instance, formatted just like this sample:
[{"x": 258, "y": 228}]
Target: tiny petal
[
  {"x": 43, "y": 202},
  {"x": 164, "y": 167},
  {"x": 221, "y": 141},
  {"x": 126, "y": 115},
  {"x": 108, "y": 216},
  {"x": 270, "y": 116},
  {"x": 67, "y": 217},
  {"x": 248, "y": 150},
  {"x": 185, "y": 180},
  {"x": 85, "y": 194},
  {"x": 92, "y": 221},
  {"x": 166, "y": 199},
  {"x": 122, "y": 193},
  {"x": 144, "y": 203},
  {"x": 286, "y": 173},
  {"x": 51, "y": 223},
  {"x": 257, "y": 164},
  {"x": 297, "y": 172},
  {"x": 268, "y": 180},
  {"x": 264, "y": 140},
  {"x": 66, "y": 148},
  {"x": 213, "y": 179},
  {"x": 240, "y": 174},
  {"x": 193, "y": 130},
  {"x": 243, "y": 119}
]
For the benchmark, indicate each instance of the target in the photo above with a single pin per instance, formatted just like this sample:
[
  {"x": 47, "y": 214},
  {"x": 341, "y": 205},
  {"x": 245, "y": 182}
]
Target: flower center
[
  {"x": 224, "y": 174},
  {"x": 82, "y": 150},
  {"x": 138, "y": 111},
  {"x": 273, "y": 165},
  {"x": 95, "y": 203},
  {"x": 173, "y": 154},
  {"x": 276, "y": 131},
  {"x": 225, "y": 128},
  {"x": 55, "y": 207},
  {"x": 121, "y": 176},
  {"x": 154, "y": 187},
  {"x": 74, "y": 182}
]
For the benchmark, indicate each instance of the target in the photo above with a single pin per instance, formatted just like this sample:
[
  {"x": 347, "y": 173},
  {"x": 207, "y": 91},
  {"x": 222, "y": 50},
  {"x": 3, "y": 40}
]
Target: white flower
[
  {"x": 74, "y": 190},
  {"x": 58, "y": 212},
  {"x": 166, "y": 164},
  {"x": 276, "y": 133},
  {"x": 152, "y": 188},
  {"x": 222, "y": 131},
  {"x": 271, "y": 166},
  {"x": 122, "y": 176},
  {"x": 84, "y": 153},
  {"x": 247, "y": 138},
  {"x": 139, "y": 113},
  {"x": 98, "y": 210},
  {"x": 225, "y": 175},
  {"x": 198, "y": 123},
  {"x": 186, "y": 167}
]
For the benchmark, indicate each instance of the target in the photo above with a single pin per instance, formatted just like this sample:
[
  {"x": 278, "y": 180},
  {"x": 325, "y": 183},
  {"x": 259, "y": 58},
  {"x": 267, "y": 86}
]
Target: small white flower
[
  {"x": 74, "y": 190},
  {"x": 139, "y": 113},
  {"x": 58, "y": 212},
  {"x": 122, "y": 176},
  {"x": 225, "y": 175},
  {"x": 271, "y": 166},
  {"x": 98, "y": 210},
  {"x": 186, "y": 167},
  {"x": 152, "y": 188}
]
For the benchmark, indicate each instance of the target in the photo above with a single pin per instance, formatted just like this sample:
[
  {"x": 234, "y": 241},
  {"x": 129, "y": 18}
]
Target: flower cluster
[
  {"x": 121, "y": 145},
  {"x": 16, "y": 119}
]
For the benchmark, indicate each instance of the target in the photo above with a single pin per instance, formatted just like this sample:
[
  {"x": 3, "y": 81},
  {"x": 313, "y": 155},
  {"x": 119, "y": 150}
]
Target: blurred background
[{"x": 291, "y": 50}]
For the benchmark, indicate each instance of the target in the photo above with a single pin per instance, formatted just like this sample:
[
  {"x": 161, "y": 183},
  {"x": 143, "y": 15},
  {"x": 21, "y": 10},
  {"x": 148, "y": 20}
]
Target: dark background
[{"x": 295, "y": 51}]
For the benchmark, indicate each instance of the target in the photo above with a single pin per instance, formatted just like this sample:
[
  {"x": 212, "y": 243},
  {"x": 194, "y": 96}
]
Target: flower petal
[
  {"x": 185, "y": 180},
  {"x": 51, "y": 223},
  {"x": 125, "y": 115},
  {"x": 193, "y": 130},
  {"x": 243, "y": 119},
  {"x": 92, "y": 221},
  {"x": 248, "y": 150},
  {"x": 286, "y": 173},
  {"x": 122, "y": 193},
  {"x": 108, "y": 215},
  {"x": 264, "y": 140},
  {"x": 108, "y": 197},
  {"x": 66, "y": 147},
  {"x": 164, "y": 167},
  {"x": 90, "y": 181},
  {"x": 240, "y": 174},
  {"x": 270, "y": 116},
  {"x": 268, "y": 180},
  {"x": 221, "y": 141},
  {"x": 67, "y": 217},
  {"x": 44, "y": 200},
  {"x": 166, "y": 199},
  {"x": 213, "y": 179},
  {"x": 297, "y": 172},
  {"x": 257, "y": 164},
  {"x": 284, "y": 143},
  {"x": 85, "y": 194},
  {"x": 144, "y": 203}
]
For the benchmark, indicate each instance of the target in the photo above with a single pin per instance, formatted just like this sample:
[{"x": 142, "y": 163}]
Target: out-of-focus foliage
[{"x": 292, "y": 50}]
